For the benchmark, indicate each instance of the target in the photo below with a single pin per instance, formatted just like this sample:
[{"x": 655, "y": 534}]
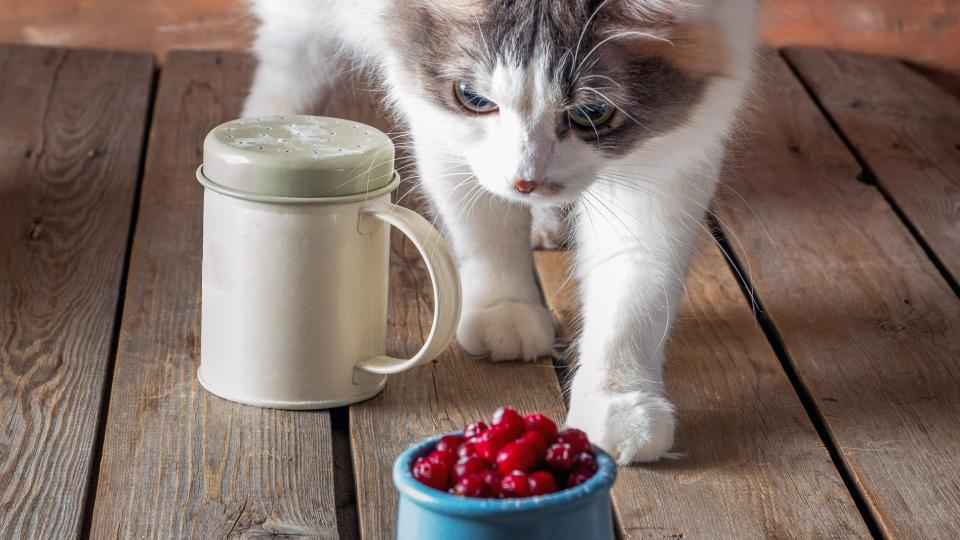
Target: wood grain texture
[
  {"x": 906, "y": 130},
  {"x": 752, "y": 465},
  {"x": 177, "y": 461},
  {"x": 441, "y": 396},
  {"x": 866, "y": 320},
  {"x": 71, "y": 139}
]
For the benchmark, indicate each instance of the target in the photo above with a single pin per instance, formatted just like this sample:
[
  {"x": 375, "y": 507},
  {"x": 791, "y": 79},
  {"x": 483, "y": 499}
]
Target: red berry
[
  {"x": 541, "y": 483},
  {"x": 468, "y": 466},
  {"x": 447, "y": 459},
  {"x": 516, "y": 456},
  {"x": 587, "y": 461},
  {"x": 474, "y": 429},
  {"x": 492, "y": 478},
  {"x": 472, "y": 486},
  {"x": 575, "y": 438},
  {"x": 560, "y": 456},
  {"x": 515, "y": 485},
  {"x": 431, "y": 473},
  {"x": 542, "y": 423},
  {"x": 467, "y": 449},
  {"x": 537, "y": 441},
  {"x": 510, "y": 420},
  {"x": 490, "y": 442},
  {"x": 449, "y": 443},
  {"x": 578, "y": 476}
]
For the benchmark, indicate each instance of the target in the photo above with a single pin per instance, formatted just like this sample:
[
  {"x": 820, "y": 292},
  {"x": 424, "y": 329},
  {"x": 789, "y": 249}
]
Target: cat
[{"x": 616, "y": 112}]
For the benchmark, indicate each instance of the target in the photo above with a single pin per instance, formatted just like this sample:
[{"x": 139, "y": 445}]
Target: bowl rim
[{"x": 441, "y": 501}]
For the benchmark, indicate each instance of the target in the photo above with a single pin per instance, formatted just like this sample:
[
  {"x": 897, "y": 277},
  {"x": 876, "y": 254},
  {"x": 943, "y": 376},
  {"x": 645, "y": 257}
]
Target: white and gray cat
[{"x": 617, "y": 110}]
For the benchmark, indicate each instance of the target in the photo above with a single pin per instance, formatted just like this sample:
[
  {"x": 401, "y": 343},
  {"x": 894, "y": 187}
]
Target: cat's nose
[{"x": 525, "y": 186}]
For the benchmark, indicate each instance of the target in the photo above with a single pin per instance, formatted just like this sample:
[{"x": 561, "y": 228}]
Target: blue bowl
[{"x": 429, "y": 514}]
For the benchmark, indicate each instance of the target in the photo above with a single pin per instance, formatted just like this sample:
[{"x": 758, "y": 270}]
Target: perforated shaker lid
[{"x": 297, "y": 157}]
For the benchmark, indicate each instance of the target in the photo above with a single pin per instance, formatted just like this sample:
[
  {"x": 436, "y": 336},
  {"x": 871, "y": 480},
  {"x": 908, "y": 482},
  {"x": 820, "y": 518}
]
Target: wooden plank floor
[
  {"x": 71, "y": 135},
  {"x": 864, "y": 317},
  {"x": 831, "y": 413},
  {"x": 905, "y": 129}
]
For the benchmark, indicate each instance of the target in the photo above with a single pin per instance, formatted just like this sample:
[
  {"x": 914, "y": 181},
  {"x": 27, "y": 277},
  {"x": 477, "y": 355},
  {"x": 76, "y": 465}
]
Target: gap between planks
[
  {"x": 902, "y": 129},
  {"x": 864, "y": 318}
]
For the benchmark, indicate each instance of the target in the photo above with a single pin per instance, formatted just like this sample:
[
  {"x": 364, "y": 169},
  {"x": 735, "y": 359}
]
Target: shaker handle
[{"x": 446, "y": 287}]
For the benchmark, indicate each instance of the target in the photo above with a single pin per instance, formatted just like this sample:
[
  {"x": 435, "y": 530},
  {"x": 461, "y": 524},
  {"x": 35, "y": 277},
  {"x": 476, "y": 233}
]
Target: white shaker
[{"x": 296, "y": 249}]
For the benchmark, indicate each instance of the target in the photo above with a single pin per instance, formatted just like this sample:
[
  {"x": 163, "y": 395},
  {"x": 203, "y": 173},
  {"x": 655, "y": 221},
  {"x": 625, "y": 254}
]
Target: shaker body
[{"x": 294, "y": 296}]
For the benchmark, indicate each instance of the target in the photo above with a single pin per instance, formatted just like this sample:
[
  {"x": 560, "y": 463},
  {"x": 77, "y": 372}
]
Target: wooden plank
[
  {"x": 438, "y": 397},
  {"x": 905, "y": 128},
  {"x": 71, "y": 139},
  {"x": 177, "y": 461},
  {"x": 752, "y": 465},
  {"x": 866, "y": 320}
]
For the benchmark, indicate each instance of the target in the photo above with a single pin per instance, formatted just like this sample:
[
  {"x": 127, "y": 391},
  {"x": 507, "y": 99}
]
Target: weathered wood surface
[
  {"x": 906, "y": 130},
  {"x": 177, "y": 461},
  {"x": 72, "y": 126},
  {"x": 865, "y": 318},
  {"x": 752, "y": 465},
  {"x": 441, "y": 396}
]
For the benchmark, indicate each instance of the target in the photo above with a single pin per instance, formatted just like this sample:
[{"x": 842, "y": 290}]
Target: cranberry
[
  {"x": 474, "y": 429},
  {"x": 468, "y": 466},
  {"x": 490, "y": 442},
  {"x": 516, "y": 456},
  {"x": 510, "y": 420},
  {"x": 536, "y": 440},
  {"x": 578, "y": 476},
  {"x": 541, "y": 483},
  {"x": 575, "y": 438},
  {"x": 587, "y": 461},
  {"x": 467, "y": 449},
  {"x": 472, "y": 486},
  {"x": 560, "y": 456},
  {"x": 492, "y": 478},
  {"x": 431, "y": 473},
  {"x": 449, "y": 443},
  {"x": 515, "y": 484},
  {"x": 447, "y": 459},
  {"x": 542, "y": 423}
]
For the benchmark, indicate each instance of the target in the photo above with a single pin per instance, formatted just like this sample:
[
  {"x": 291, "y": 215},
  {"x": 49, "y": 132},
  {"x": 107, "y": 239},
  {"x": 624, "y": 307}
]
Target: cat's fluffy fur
[{"x": 635, "y": 190}]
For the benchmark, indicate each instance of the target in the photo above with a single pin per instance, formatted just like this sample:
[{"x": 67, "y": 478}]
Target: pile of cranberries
[{"x": 516, "y": 456}]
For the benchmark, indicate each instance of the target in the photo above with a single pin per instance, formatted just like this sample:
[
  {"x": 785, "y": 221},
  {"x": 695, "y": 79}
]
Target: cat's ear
[
  {"x": 663, "y": 13},
  {"x": 684, "y": 32},
  {"x": 453, "y": 9},
  {"x": 654, "y": 12}
]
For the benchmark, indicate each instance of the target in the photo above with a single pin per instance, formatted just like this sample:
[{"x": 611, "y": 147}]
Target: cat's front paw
[
  {"x": 633, "y": 427},
  {"x": 507, "y": 331}
]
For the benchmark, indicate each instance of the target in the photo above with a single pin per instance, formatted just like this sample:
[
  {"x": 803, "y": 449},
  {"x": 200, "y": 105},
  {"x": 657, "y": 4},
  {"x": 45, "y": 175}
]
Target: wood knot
[
  {"x": 36, "y": 228},
  {"x": 893, "y": 327}
]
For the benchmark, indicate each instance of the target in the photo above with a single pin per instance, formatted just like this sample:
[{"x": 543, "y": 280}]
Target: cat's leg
[
  {"x": 503, "y": 316},
  {"x": 548, "y": 230},
  {"x": 632, "y": 254},
  {"x": 296, "y": 70}
]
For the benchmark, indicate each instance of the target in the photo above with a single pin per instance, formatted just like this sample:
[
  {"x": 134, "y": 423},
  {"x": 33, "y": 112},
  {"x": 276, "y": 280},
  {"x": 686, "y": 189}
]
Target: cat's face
[{"x": 537, "y": 96}]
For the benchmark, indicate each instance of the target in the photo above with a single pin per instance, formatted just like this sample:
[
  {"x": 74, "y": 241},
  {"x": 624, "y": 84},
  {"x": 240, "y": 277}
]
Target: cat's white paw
[
  {"x": 507, "y": 331},
  {"x": 634, "y": 427}
]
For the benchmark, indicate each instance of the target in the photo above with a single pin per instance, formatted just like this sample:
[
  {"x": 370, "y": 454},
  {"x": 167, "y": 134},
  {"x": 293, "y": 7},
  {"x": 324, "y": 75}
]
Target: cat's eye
[
  {"x": 471, "y": 100},
  {"x": 591, "y": 116}
]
